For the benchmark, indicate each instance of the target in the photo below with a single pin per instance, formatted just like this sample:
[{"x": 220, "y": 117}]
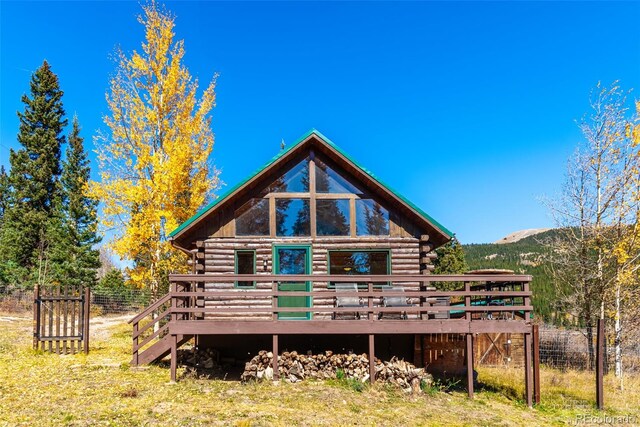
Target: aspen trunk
[{"x": 617, "y": 327}]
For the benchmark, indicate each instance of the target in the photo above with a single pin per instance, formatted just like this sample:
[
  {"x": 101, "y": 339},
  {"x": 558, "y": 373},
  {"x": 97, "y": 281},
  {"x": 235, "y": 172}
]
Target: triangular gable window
[
  {"x": 295, "y": 200},
  {"x": 330, "y": 181},
  {"x": 295, "y": 180}
]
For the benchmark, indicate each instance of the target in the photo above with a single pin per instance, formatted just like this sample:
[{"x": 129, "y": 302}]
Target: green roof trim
[
  {"x": 239, "y": 185},
  {"x": 288, "y": 149},
  {"x": 382, "y": 184}
]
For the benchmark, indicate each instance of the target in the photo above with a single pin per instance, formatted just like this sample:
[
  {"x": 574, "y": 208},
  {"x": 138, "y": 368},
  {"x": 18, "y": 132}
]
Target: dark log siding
[
  {"x": 219, "y": 235},
  {"x": 219, "y": 259}
]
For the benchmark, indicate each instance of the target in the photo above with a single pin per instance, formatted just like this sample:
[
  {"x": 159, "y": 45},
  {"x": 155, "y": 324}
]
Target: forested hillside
[{"x": 525, "y": 256}]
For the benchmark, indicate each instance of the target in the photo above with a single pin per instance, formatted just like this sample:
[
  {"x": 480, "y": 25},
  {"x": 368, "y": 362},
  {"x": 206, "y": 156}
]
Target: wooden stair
[
  {"x": 151, "y": 332},
  {"x": 159, "y": 349}
]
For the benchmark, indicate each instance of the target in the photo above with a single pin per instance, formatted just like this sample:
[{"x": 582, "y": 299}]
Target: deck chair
[
  {"x": 441, "y": 302},
  {"x": 395, "y": 301},
  {"x": 500, "y": 315},
  {"x": 347, "y": 301}
]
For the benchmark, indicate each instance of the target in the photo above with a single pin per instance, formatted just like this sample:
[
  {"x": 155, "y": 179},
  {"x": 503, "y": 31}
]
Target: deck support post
[
  {"x": 174, "y": 357},
  {"x": 372, "y": 359},
  {"x": 528, "y": 386},
  {"x": 274, "y": 361},
  {"x": 469, "y": 338},
  {"x": 536, "y": 364}
]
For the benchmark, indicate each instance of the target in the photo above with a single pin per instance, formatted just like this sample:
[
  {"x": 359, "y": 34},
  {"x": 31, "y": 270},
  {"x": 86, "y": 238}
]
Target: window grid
[{"x": 312, "y": 196}]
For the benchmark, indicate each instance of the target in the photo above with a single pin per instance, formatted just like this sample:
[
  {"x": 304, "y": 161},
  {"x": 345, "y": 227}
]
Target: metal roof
[{"x": 301, "y": 140}]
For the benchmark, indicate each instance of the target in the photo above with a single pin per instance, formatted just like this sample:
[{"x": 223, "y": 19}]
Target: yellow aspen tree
[
  {"x": 154, "y": 160},
  {"x": 593, "y": 212},
  {"x": 626, "y": 291}
]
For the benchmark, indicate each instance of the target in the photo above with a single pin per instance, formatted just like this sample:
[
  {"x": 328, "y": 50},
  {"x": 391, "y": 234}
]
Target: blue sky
[{"x": 468, "y": 109}]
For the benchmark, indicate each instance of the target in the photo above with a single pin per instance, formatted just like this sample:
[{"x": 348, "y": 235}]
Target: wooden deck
[{"x": 483, "y": 304}]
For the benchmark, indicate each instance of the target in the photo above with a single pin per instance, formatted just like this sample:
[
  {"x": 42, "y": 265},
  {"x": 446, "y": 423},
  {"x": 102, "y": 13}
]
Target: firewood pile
[
  {"x": 195, "y": 358},
  {"x": 294, "y": 367}
]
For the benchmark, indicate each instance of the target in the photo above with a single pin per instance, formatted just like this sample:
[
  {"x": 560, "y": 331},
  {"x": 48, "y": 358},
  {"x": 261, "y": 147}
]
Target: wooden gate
[{"x": 61, "y": 319}]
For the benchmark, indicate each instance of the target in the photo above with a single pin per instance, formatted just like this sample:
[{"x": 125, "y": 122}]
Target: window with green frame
[
  {"x": 359, "y": 262},
  {"x": 245, "y": 264}
]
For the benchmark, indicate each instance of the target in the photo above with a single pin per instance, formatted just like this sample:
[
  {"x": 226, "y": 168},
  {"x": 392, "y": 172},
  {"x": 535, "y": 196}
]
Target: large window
[
  {"x": 295, "y": 180},
  {"x": 252, "y": 219},
  {"x": 371, "y": 218},
  {"x": 330, "y": 181},
  {"x": 359, "y": 262},
  {"x": 332, "y": 217},
  {"x": 340, "y": 208},
  {"x": 245, "y": 264},
  {"x": 293, "y": 217}
]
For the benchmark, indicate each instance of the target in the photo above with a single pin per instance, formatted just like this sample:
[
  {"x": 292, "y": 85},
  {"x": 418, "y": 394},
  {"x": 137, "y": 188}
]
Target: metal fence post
[
  {"x": 36, "y": 316},
  {"x": 600, "y": 365}
]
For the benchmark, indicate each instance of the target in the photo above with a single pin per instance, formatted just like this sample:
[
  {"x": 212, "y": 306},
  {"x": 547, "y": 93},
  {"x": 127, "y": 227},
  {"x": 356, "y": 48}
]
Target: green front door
[{"x": 293, "y": 260}]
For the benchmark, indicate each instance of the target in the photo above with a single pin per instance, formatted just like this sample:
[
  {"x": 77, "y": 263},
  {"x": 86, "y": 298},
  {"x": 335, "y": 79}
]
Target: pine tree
[
  {"x": 4, "y": 201},
  {"x": 450, "y": 260},
  {"x": 34, "y": 181},
  {"x": 114, "y": 281},
  {"x": 4, "y": 192},
  {"x": 74, "y": 259}
]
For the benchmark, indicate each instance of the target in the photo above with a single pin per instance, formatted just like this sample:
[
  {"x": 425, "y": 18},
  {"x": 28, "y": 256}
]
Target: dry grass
[{"x": 100, "y": 389}]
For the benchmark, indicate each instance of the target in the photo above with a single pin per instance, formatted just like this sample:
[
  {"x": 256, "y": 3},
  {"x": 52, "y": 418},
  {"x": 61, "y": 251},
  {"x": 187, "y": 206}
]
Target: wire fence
[
  {"x": 562, "y": 349},
  {"x": 566, "y": 352},
  {"x": 575, "y": 349},
  {"x": 104, "y": 301}
]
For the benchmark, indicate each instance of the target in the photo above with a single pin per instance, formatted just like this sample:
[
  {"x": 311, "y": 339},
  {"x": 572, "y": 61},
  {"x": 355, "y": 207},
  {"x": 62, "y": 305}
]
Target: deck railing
[
  {"x": 480, "y": 297},
  {"x": 481, "y": 304}
]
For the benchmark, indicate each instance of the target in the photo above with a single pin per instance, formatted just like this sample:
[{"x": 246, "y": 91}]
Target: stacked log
[
  {"x": 199, "y": 359},
  {"x": 294, "y": 367}
]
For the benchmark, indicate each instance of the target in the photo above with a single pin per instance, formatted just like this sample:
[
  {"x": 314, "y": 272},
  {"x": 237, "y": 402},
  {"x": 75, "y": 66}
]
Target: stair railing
[{"x": 152, "y": 324}]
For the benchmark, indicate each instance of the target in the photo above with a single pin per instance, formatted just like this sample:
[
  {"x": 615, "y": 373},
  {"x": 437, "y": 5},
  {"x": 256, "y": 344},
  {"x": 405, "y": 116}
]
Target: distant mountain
[
  {"x": 525, "y": 253},
  {"x": 519, "y": 235}
]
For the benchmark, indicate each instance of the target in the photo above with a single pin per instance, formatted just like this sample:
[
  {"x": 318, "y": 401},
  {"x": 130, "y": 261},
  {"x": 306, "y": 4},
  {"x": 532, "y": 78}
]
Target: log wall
[{"x": 219, "y": 258}]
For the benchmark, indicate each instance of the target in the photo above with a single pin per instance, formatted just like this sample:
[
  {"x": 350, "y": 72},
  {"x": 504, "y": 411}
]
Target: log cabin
[{"x": 272, "y": 259}]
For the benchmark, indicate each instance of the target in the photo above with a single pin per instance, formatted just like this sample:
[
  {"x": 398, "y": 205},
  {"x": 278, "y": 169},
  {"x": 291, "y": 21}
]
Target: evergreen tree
[
  {"x": 34, "y": 181},
  {"x": 4, "y": 201},
  {"x": 4, "y": 192},
  {"x": 74, "y": 259},
  {"x": 450, "y": 260},
  {"x": 114, "y": 280}
]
